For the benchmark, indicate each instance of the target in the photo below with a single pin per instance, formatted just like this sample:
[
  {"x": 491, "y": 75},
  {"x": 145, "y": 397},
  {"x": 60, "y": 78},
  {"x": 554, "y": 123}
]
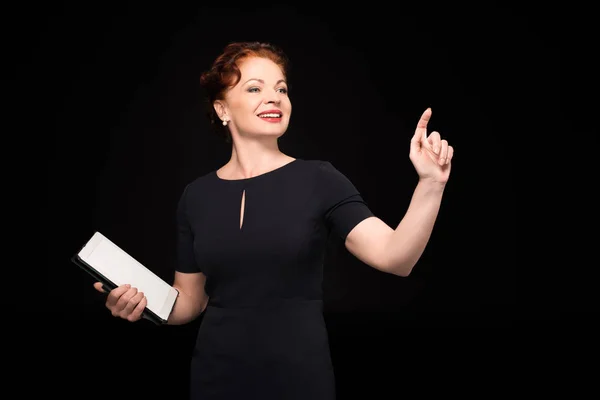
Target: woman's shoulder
[
  {"x": 322, "y": 170},
  {"x": 200, "y": 183},
  {"x": 317, "y": 164},
  {"x": 322, "y": 166}
]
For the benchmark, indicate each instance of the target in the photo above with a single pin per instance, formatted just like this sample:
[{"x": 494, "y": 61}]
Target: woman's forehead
[{"x": 260, "y": 68}]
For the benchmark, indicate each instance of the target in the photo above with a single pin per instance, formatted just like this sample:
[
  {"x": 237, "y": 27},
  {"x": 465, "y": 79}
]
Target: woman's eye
[{"x": 256, "y": 90}]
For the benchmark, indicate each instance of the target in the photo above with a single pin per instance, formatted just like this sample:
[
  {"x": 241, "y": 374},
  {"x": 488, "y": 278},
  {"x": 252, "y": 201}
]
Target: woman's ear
[{"x": 220, "y": 110}]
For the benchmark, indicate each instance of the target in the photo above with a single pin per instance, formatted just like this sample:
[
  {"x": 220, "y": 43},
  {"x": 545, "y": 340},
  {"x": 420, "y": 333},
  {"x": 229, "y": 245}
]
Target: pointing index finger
[{"x": 422, "y": 124}]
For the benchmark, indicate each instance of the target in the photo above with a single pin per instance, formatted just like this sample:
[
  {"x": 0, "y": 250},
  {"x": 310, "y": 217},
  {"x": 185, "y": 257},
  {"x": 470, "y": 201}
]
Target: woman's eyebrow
[{"x": 263, "y": 82}]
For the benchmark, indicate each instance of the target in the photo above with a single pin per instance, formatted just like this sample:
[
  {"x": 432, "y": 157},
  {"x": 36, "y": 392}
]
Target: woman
[{"x": 252, "y": 236}]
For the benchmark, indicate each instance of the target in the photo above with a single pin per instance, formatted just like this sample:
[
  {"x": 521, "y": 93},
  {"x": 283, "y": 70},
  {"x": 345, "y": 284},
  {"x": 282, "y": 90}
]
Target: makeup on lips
[{"x": 271, "y": 115}]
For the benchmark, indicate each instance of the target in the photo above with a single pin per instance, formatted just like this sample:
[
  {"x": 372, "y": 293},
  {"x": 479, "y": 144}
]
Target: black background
[{"x": 113, "y": 120}]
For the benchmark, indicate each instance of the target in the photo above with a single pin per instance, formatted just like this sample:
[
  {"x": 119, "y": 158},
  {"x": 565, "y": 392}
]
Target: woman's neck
[{"x": 253, "y": 158}]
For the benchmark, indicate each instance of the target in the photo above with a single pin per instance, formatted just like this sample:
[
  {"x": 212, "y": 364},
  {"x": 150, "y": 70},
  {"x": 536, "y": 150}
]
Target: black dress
[{"x": 263, "y": 334}]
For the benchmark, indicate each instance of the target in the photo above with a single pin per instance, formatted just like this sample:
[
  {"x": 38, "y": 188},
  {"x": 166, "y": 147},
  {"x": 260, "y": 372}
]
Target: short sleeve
[
  {"x": 343, "y": 205},
  {"x": 186, "y": 261}
]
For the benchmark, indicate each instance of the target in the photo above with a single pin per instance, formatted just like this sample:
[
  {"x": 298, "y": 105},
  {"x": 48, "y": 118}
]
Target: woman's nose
[{"x": 272, "y": 97}]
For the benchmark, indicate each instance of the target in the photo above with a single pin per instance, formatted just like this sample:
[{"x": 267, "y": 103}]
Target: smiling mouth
[{"x": 269, "y": 115}]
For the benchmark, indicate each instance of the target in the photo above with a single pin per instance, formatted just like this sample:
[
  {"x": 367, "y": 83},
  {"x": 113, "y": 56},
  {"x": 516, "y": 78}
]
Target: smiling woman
[
  {"x": 252, "y": 237},
  {"x": 265, "y": 68}
]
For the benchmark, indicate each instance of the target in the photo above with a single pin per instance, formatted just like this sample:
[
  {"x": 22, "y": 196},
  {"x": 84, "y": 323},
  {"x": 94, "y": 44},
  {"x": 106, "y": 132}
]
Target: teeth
[{"x": 270, "y": 115}]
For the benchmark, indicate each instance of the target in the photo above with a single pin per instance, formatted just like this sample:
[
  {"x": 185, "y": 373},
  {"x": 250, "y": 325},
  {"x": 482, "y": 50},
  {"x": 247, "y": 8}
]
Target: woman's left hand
[{"x": 431, "y": 155}]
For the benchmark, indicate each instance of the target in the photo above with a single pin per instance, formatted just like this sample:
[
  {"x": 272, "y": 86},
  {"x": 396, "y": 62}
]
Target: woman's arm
[
  {"x": 192, "y": 299},
  {"x": 397, "y": 251}
]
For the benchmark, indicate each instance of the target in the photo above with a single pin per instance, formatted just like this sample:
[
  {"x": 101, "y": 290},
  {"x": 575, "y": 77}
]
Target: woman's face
[{"x": 258, "y": 105}]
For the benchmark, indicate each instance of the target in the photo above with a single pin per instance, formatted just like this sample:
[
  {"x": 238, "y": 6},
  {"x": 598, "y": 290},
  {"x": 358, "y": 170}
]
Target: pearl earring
[{"x": 224, "y": 122}]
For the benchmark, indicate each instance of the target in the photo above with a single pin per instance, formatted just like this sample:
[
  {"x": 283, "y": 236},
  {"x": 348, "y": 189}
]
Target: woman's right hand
[{"x": 124, "y": 301}]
